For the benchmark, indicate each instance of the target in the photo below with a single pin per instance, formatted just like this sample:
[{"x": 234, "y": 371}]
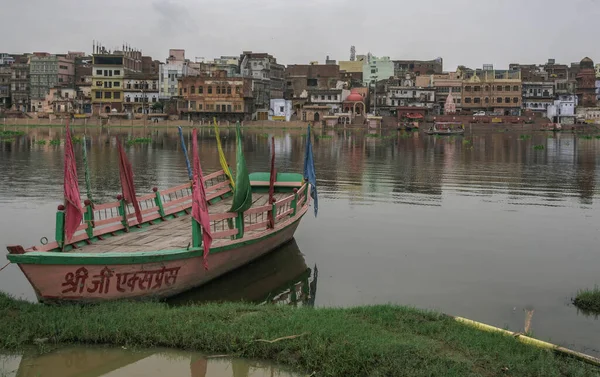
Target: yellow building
[{"x": 108, "y": 72}]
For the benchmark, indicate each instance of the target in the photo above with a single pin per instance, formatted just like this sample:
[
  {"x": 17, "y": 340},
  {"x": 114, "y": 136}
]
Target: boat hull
[{"x": 88, "y": 283}]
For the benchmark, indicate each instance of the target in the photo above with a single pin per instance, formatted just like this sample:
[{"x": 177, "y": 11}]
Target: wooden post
[
  {"x": 294, "y": 204},
  {"x": 59, "y": 234},
  {"x": 88, "y": 218},
  {"x": 158, "y": 202},
  {"x": 196, "y": 233},
  {"x": 239, "y": 224},
  {"x": 274, "y": 214},
  {"x": 123, "y": 212}
]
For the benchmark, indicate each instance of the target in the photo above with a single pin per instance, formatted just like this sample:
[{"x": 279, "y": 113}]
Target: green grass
[
  {"x": 588, "y": 300},
  {"x": 139, "y": 140},
  {"x": 363, "y": 341},
  {"x": 525, "y": 137},
  {"x": 41, "y": 142},
  {"x": 7, "y": 139},
  {"x": 55, "y": 142},
  {"x": 586, "y": 137},
  {"x": 538, "y": 147}
]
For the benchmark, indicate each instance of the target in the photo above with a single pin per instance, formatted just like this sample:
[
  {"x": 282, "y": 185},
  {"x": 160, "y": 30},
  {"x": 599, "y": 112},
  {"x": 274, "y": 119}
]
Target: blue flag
[{"x": 309, "y": 171}]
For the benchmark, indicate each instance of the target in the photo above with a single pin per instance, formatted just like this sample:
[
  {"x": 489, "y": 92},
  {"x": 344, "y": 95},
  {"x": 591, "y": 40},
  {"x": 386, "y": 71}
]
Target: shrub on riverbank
[
  {"x": 588, "y": 300},
  {"x": 374, "y": 341}
]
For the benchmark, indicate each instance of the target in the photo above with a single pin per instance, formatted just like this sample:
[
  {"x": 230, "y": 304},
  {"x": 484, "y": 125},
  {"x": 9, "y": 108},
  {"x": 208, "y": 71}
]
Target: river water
[{"x": 483, "y": 226}]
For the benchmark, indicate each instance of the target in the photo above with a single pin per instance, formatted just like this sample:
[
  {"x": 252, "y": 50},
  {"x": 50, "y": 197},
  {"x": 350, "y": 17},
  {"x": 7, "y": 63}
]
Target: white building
[
  {"x": 563, "y": 109},
  {"x": 538, "y": 96},
  {"x": 334, "y": 98},
  {"x": 280, "y": 110},
  {"x": 375, "y": 69},
  {"x": 176, "y": 67},
  {"x": 140, "y": 91}
]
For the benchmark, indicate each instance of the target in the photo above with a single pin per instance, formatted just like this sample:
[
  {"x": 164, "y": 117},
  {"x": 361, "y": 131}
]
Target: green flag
[{"x": 242, "y": 194}]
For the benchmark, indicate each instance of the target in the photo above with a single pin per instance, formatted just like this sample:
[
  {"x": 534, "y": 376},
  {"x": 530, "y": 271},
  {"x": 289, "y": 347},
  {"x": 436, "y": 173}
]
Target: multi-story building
[
  {"x": 150, "y": 66},
  {"x": 334, "y": 98},
  {"x": 176, "y": 67},
  {"x": 302, "y": 78},
  {"x": 493, "y": 91},
  {"x": 393, "y": 93},
  {"x": 19, "y": 83},
  {"x": 108, "y": 72},
  {"x": 59, "y": 100},
  {"x": 562, "y": 110},
  {"x": 140, "y": 92},
  {"x": 586, "y": 83},
  {"x": 264, "y": 67},
  {"x": 538, "y": 95},
  {"x": 444, "y": 84},
  {"x": 48, "y": 71},
  {"x": 5, "y": 74},
  {"x": 83, "y": 84},
  {"x": 376, "y": 69},
  {"x": 418, "y": 67},
  {"x": 220, "y": 96},
  {"x": 6, "y": 59},
  {"x": 229, "y": 64},
  {"x": 351, "y": 71}
]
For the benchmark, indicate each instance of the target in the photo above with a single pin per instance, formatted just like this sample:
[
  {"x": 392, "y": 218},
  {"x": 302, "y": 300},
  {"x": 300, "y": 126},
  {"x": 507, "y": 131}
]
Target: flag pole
[
  {"x": 88, "y": 185},
  {"x": 184, "y": 148}
]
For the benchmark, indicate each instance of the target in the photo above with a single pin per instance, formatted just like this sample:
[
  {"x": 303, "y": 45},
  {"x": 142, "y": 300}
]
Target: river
[{"x": 483, "y": 226}]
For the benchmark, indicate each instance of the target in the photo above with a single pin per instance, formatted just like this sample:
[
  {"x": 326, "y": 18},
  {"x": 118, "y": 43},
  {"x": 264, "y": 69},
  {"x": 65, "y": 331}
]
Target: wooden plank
[
  {"x": 222, "y": 216},
  {"x": 218, "y": 186},
  {"x": 146, "y": 197},
  {"x": 226, "y": 233},
  {"x": 218, "y": 193},
  {"x": 110, "y": 229},
  {"x": 251, "y": 227},
  {"x": 177, "y": 201},
  {"x": 286, "y": 200},
  {"x": 284, "y": 214},
  {"x": 176, "y": 188},
  {"x": 81, "y": 227},
  {"x": 214, "y": 175},
  {"x": 101, "y": 207},
  {"x": 257, "y": 210},
  {"x": 112, "y": 220}
]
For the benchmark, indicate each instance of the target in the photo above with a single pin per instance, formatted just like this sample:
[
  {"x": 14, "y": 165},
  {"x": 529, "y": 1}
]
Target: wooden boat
[
  {"x": 112, "y": 255},
  {"x": 446, "y": 129}
]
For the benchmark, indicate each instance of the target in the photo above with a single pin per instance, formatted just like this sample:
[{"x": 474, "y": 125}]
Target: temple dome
[
  {"x": 586, "y": 63},
  {"x": 354, "y": 96}
]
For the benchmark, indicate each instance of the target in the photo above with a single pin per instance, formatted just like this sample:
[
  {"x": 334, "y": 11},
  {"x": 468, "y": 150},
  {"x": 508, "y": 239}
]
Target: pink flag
[
  {"x": 272, "y": 178},
  {"x": 127, "y": 187},
  {"x": 73, "y": 212},
  {"x": 199, "y": 206}
]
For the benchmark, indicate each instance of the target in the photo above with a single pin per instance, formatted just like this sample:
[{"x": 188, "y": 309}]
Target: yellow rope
[{"x": 222, "y": 159}]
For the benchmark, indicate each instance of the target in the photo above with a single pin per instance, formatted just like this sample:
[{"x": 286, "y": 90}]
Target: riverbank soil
[{"x": 364, "y": 341}]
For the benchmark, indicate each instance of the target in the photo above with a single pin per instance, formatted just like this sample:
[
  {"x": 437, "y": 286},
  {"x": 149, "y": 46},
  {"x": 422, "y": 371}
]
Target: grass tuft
[
  {"x": 55, "y": 142},
  {"x": 364, "y": 341},
  {"x": 325, "y": 137},
  {"x": 11, "y": 134},
  {"x": 588, "y": 300},
  {"x": 139, "y": 140},
  {"x": 586, "y": 137},
  {"x": 539, "y": 147},
  {"x": 525, "y": 137},
  {"x": 41, "y": 142}
]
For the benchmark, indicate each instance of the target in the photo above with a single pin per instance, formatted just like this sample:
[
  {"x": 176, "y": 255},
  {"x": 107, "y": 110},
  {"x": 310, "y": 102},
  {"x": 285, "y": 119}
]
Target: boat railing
[{"x": 109, "y": 219}]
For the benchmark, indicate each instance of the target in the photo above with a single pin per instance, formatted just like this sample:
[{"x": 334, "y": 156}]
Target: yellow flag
[{"x": 222, "y": 156}]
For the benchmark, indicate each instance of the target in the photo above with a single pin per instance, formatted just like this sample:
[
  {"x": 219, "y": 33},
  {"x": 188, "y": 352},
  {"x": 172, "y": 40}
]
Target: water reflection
[
  {"x": 280, "y": 277},
  {"x": 120, "y": 362}
]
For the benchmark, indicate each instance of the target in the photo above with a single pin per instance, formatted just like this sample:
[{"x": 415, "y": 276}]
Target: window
[
  {"x": 476, "y": 100},
  {"x": 329, "y": 98},
  {"x": 209, "y": 89},
  {"x": 193, "y": 91},
  {"x": 180, "y": 91},
  {"x": 487, "y": 88},
  {"x": 98, "y": 72},
  {"x": 108, "y": 84},
  {"x": 98, "y": 83},
  {"x": 467, "y": 100},
  {"x": 477, "y": 89},
  {"x": 105, "y": 72},
  {"x": 515, "y": 88},
  {"x": 136, "y": 99},
  {"x": 516, "y": 100},
  {"x": 153, "y": 99},
  {"x": 237, "y": 90},
  {"x": 98, "y": 95},
  {"x": 218, "y": 90},
  {"x": 228, "y": 108},
  {"x": 116, "y": 84},
  {"x": 507, "y": 100},
  {"x": 199, "y": 106},
  {"x": 184, "y": 90},
  {"x": 467, "y": 88},
  {"x": 507, "y": 88},
  {"x": 192, "y": 105},
  {"x": 487, "y": 100},
  {"x": 281, "y": 109},
  {"x": 200, "y": 90},
  {"x": 499, "y": 88},
  {"x": 373, "y": 71},
  {"x": 229, "y": 90},
  {"x": 499, "y": 100},
  {"x": 107, "y": 95},
  {"x": 127, "y": 99},
  {"x": 323, "y": 98},
  {"x": 117, "y": 95},
  {"x": 117, "y": 72}
]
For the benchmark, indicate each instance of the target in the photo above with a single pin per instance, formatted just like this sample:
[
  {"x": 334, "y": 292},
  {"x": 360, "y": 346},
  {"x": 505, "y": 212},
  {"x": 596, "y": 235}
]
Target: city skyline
[{"x": 297, "y": 33}]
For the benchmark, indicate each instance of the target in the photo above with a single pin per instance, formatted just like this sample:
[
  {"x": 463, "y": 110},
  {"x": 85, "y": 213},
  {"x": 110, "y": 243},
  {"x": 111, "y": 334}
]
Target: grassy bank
[
  {"x": 588, "y": 300},
  {"x": 374, "y": 341}
]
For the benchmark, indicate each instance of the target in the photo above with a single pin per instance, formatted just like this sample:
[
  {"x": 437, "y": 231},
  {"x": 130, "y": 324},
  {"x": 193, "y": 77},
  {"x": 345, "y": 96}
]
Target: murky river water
[
  {"x": 485, "y": 228},
  {"x": 120, "y": 362}
]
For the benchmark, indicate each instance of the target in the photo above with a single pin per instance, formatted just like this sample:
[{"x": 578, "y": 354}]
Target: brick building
[
  {"x": 301, "y": 78},
  {"x": 220, "y": 96},
  {"x": 19, "y": 83},
  {"x": 492, "y": 91},
  {"x": 586, "y": 83},
  {"x": 418, "y": 67}
]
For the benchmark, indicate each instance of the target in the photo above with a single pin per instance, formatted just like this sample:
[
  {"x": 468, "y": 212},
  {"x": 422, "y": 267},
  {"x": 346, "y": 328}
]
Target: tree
[{"x": 158, "y": 106}]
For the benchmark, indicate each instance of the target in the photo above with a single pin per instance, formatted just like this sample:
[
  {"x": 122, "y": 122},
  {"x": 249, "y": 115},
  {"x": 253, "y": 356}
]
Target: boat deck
[{"x": 168, "y": 235}]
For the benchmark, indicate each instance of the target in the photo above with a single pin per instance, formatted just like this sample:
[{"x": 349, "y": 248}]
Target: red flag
[
  {"x": 127, "y": 187},
  {"x": 73, "y": 212},
  {"x": 270, "y": 216},
  {"x": 199, "y": 206}
]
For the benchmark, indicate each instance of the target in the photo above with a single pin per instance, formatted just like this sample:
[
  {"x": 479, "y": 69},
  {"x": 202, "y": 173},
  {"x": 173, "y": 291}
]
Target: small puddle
[{"x": 117, "y": 362}]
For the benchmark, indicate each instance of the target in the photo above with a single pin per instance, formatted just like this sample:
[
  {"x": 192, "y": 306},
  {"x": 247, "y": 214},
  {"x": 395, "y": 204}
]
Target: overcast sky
[{"x": 469, "y": 32}]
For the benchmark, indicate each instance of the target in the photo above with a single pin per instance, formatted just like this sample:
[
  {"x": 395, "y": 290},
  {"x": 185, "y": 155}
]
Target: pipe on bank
[{"x": 527, "y": 340}]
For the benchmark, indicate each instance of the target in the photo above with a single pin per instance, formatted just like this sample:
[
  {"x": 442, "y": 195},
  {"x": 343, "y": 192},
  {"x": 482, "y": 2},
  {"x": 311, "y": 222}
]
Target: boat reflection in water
[
  {"x": 280, "y": 277},
  {"x": 117, "y": 362}
]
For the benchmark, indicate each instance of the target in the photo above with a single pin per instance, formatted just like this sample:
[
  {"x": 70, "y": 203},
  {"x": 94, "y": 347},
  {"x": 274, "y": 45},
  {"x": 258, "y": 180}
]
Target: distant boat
[{"x": 446, "y": 128}]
